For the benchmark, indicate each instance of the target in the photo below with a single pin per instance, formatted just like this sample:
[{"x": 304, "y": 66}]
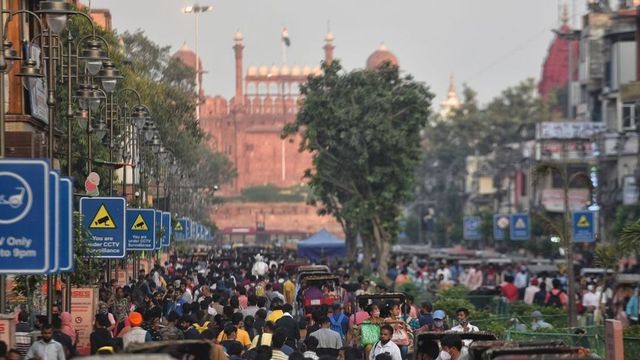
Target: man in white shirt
[
  {"x": 385, "y": 345},
  {"x": 445, "y": 272},
  {"x": 531, "y": 291},
  {"x": 590, "y": 299},
  {"x": 463, "y": 322},
  {"x": 46, "y": 348},
  {"x": 521, "y": 281}
]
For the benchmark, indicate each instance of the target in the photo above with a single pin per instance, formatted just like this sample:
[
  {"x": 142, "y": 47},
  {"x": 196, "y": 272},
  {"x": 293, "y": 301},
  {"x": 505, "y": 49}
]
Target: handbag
[
  {"x": 400, "y": 336},
  {"x": 369, "y": 333}
]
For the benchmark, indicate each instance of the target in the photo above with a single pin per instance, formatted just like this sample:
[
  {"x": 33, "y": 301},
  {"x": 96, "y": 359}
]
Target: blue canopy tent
[{"x": 321, "y": 245}]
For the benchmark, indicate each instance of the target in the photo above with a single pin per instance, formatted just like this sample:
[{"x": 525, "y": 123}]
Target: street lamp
[
  {"x": 196, "y": 10},
  {"x": 57, "y": 13}
]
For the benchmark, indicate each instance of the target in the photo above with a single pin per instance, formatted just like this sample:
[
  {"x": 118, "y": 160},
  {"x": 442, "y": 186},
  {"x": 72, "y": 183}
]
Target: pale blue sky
[{"x": 489, "y": 44}]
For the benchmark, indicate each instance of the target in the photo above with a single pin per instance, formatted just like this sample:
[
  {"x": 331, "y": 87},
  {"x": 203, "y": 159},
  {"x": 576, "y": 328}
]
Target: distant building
[
  {"x": 247, "y": 128},
  {"x": 555, "y": 69},
  {"x": 451, "y": 103}
]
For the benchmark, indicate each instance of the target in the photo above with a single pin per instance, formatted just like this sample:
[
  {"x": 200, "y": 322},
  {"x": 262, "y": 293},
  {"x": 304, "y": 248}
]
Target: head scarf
[{"x": 67, "y": 326}]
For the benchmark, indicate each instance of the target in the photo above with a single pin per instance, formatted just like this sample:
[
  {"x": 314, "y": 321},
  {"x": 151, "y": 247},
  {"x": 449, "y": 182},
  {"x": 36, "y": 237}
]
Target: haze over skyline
[{"x": 489, "y": 45}]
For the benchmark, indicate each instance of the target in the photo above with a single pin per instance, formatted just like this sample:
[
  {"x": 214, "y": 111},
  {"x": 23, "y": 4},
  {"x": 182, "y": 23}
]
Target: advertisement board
[
  {"x": 83, "y": 309},
  {"x": 553, "y": 199},
  {"x": 7, "y": 330}
]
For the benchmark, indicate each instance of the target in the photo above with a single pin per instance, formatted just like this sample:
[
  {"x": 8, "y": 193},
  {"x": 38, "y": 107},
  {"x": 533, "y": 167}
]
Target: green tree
[
  {"x": 471, "y": 130},
  {"x": 363, "y": 129}
]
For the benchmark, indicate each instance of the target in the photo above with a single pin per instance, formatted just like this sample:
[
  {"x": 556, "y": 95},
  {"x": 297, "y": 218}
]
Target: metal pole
[
  {"x": 570, "y": 77},
  {"x": 3, "y": 69},
  {"x": 569, "y": 246},
  {"x": 67, "y": 276},
  {"x": 51, "y": 102},
  {"x": 197, "y": 65}
]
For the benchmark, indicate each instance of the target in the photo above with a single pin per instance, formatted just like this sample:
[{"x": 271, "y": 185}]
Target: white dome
[
  {"x": 295, "y": 71},
  {"x": 252, "y": 71},
  {"x": 317, "y": 71},
  {"x": 274, "y": 71},
  {"x": 263, "y": 70},
  {"x": 306, "y": 70},
  {"x": 284, "y": 70},
  {"x": 238, "y": 36}
]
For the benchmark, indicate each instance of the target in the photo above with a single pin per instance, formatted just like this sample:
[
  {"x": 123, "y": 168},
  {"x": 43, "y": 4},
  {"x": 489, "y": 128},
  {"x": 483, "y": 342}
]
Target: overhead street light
[{"x": 197, "y": 9}]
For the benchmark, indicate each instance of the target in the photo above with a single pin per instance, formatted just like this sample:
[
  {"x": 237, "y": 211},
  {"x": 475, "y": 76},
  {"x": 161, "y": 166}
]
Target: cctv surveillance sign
[{"x": 104, "y": 217}]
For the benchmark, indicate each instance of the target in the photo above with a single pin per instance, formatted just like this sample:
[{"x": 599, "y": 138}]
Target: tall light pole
[{"x": 196, "y": 10}]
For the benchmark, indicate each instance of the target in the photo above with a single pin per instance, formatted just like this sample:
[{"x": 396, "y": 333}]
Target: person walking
[
  {"x": 385, "y": 345},
  {"x": 136, "y": 334},
  {"x": 46, "y": 348}
]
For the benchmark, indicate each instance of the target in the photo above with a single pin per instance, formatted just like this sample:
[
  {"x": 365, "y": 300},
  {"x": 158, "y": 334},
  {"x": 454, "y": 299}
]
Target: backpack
[
  {"x": 554, "y": 299},
  {"x": 336, "y": 325}
]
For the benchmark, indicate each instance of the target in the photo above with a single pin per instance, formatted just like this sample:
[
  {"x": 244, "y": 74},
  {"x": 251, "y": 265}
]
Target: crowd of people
[{"x": 249, "y": 308}]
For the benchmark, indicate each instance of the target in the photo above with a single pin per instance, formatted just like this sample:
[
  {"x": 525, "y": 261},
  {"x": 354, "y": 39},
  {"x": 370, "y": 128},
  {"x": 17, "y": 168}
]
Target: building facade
[{"x": 247, "y": 128}]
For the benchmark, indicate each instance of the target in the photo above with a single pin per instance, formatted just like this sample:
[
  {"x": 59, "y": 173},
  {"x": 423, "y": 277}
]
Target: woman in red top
[{"x": 509, "y": 290}]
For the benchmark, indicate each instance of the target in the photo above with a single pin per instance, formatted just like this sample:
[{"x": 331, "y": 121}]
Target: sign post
[
  {"x": 584, "y": 226},
  {"x": 500, "y": 226},
  {"x": 24, "y": 217},
  {"x": 141, "y": 229},
  {"x": 104, "y": 217},
  {"x": 166, "y": 227},
  {"x": 65, "y": 225},
  {"x": 520, "y": 227},
  {"x": 471, "y": 229}
]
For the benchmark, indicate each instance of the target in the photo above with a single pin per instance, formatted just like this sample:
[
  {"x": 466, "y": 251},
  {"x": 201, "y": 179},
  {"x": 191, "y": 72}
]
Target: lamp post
[
  {"x": 196, "y": 10},
  {"x": 56, "y": 14}
]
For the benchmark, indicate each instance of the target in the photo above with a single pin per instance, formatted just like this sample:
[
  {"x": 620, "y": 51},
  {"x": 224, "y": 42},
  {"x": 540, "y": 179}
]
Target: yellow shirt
[
  {"x": 289, "y": 289},
  {"x": 242, "y": 337},
  {"x": 266, "y": 340},
  {"x": 275, "y": 316}
]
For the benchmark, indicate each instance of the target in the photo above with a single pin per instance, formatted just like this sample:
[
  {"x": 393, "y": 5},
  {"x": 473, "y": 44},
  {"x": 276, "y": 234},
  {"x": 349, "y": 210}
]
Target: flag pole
[{"x": 284, "y": 52}]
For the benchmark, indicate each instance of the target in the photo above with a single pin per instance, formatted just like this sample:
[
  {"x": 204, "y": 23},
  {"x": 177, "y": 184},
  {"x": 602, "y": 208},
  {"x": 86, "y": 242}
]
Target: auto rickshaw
[
  {"x": 313, "y": 292},
  {"x": 367, "y": 333}
]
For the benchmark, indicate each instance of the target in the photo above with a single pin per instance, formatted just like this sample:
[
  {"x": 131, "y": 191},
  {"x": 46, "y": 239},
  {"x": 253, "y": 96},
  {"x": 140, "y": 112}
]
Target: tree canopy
[
  {"x": 471, "y": 130},
  {"x": 363, "y": 129}
]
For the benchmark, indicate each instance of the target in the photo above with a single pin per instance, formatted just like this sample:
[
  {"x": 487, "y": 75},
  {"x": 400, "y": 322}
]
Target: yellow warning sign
[
  {"x": 583, "y": 222},
  {"x": 103, "y": 219},
  {"x": 178, "y": 227},
  {"x": 139, "y": 224}
]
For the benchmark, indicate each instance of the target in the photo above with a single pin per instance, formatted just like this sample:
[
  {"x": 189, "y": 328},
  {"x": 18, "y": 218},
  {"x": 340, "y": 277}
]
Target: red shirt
[{"x": 510, "y": 291}]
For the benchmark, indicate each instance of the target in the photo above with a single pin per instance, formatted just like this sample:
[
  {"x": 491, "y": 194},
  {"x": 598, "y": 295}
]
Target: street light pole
[{"x": 196, "y": 10}]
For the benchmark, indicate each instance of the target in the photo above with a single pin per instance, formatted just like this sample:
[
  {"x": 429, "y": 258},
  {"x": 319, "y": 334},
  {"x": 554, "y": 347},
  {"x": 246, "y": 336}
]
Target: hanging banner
[{"x": 83, "y": 309}]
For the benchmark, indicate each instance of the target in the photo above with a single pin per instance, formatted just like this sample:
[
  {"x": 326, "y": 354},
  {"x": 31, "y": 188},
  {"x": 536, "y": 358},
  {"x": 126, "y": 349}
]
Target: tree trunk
[
  {"x": 367, "y": 252},
  {"x": 383, "y": 248},
  {"x": 351, "y": 238}
]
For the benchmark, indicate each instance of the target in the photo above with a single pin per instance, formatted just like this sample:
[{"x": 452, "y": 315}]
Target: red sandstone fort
[{"x": 247, "y": 129}]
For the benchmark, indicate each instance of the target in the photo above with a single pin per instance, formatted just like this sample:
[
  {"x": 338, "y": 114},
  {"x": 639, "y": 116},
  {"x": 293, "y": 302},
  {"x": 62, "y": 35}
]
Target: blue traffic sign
[
  {"x": 104, "y": 218},
  {"x": 584, "y": 226},
  {"x": 520, "y": 227},
  {"x": 166, "y": 229},
  {"x": 24, "y": 216},
  {"x": 54, "y": 213},
  {"x": 65, "y": 225},
  {"x": 141, "y": 229},
  {"x": 180, "y": 229},
  {"x": 189, "y": 227},
  {"x": 158, "y": 237},
  {"x": 500, "y": 226},
  {"x": 471, "y": 228}
]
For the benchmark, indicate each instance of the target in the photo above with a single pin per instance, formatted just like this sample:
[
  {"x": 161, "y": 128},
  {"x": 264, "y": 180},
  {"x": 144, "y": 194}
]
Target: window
[{"x": 630, "y": 115}]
